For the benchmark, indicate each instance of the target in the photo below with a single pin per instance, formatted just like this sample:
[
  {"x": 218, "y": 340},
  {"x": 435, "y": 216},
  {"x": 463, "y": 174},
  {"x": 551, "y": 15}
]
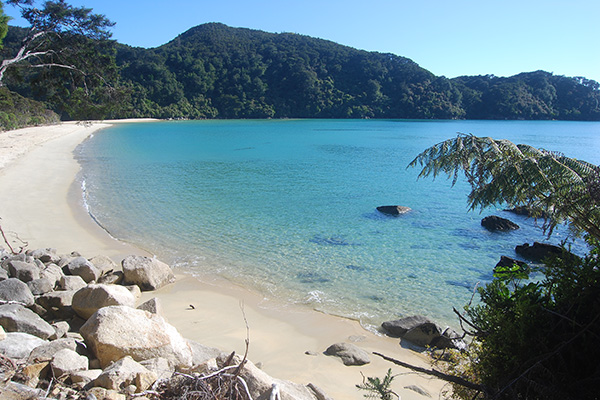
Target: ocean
[{"x": 287, "y": 208}]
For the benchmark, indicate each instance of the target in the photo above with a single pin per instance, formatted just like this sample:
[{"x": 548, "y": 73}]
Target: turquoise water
[{"x": 287, "y": 207}]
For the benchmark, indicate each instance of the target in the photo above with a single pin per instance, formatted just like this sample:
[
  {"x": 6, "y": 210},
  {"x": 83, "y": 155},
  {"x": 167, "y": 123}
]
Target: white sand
[{"x": 41, "y": 205}]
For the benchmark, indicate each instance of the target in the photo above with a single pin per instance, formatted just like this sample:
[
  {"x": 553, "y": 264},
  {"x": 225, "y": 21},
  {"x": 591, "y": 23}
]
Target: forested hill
[{"x": 215, "y": 71}]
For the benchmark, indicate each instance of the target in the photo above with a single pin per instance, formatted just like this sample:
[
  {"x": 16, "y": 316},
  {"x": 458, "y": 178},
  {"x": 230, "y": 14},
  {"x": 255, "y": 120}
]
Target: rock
[
  {"x": 60, "y": 328},
  {"x": 449, "y": 339},
  {"x": 52, "y": 272},
  {"x": 318, "y": 392},
  {"x": 393, "y": 210},
  {"x": 17, "y": 391},
  {"x": 13, "y": 289},
  {"x": 83, "y": 268},
  {"x": 99, "y": 393},
  {"x": 71, "y": 282},
  {"x": 508, "y": 262},
  {"x": 104, "y": 264},
  {"x": 114, "y": 278},
  {"x": 153, "y": 306},
  {"x": 349, "y": 353},
  {"x": 40, "y": 286},
  {"x": 19, "y": 345},
  {"x": 32, "y": 374},
  {"x": 2, "y": 333},
  {"x": 202, "y": 353},
  {"x": 147, "y": 273},
  {"x": 82, "y": 378},
  {"x": 23, "y": 271},
  {"x": 526, "y": 211},
  {"x": 16, "y": 318},
  {"x": 160, "y": 366},
  {"x": 88, "y": 300},
  {"x": 3, "y": 274},
  {"x": 494, "y": 223},
  {"x": 44, "y": 255},
  {"x": 126, "y": 372},
  {"x": 67, "y": 361},
  {"x": 423, "y": 334},
  {"x": 399, "y": 327},
  {"x": 539, "y": 251},
  {"x": 47, "y": 350},
  {"x": 134, "y": 290},
  {"x": 142, "y": 336},
  {"x": 58, "y": 303}
]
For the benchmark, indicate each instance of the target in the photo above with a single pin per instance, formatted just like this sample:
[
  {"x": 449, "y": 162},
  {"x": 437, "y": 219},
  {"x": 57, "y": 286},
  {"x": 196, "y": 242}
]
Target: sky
[{"x": 449, "y": 38}]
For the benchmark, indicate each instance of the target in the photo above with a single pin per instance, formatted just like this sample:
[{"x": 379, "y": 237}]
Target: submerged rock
[{"x": 393, "y": 210}]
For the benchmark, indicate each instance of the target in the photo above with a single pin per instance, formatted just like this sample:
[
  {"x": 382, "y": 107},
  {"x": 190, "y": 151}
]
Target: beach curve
[{"x": 42, "y": 206}]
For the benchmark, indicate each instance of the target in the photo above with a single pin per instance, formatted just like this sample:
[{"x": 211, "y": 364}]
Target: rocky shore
[{"x": 70, "y": 329}]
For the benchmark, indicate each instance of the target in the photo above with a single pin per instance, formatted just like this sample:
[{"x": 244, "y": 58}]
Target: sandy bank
[{"x": 41, "y": 206}]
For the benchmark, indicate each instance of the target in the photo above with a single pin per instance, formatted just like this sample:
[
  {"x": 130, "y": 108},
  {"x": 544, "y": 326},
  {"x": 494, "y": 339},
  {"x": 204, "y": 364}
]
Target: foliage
[
  {"x": 215, "y": 71},
  {"x": 3, "y": 24},
  {"x": 532, "y": 340},
  {"x": 379, "y": 388},
  {"x": 18, "y": 112},
  {"x": 548, "y": 183}
]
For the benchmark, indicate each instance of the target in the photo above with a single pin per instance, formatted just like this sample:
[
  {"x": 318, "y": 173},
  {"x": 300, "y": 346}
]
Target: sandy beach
[{"x": 41, "y": 206}]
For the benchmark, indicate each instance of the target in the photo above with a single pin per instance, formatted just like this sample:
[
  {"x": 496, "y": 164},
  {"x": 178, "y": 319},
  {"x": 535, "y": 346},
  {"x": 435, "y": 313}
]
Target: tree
[
  {"x": 58, "y": 31},
  {"x": 531, "y": 339},
  {"x": 3, "y": 24}
]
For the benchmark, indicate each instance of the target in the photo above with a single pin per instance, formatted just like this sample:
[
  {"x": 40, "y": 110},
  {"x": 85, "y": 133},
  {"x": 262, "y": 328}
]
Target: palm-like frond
[{"x": 499, "y": 171}]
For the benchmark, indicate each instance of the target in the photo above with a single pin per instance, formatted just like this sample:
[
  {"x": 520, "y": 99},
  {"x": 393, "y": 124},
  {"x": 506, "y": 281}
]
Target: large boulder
[
  {"x": 23, "y": 271},
  {"x": 14, "y": 290},
  {"x": 142, "y": 336},
  {"x": 18, "y": 344},
  {"x": 349, "y": 353},
  {"x": 16, "y": 318},
  {"x": 83, "y": 268},
  {"x": 147, "y": 273},
  {"x": 494, "y": 223},
  {"x": 88, "y": 300},
  {"x": 40, "y": 286},
  {"x": 538, "y": 251},
  {"x": 399, "y": 327},
  {"x": 104, "y": 264},
  {"x": 423, "y": 334},
  {"x": 44, "y": 255},
  {"x": 393, "y": 210},
  {"x": 52, "y": 272}
]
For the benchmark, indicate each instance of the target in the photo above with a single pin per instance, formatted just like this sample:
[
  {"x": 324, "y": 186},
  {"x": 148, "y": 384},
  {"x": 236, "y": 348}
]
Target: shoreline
[{"x": 42, "y": 204}]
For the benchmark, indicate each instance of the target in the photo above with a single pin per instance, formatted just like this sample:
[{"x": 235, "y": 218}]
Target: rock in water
[
  {"x": 399, "y": 327},
  {"x": 393, "y": 210},
  {"x": 494, "y": 223}
]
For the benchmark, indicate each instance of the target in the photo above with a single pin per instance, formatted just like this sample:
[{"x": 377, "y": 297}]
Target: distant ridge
[{"x": 216, "y": 71}]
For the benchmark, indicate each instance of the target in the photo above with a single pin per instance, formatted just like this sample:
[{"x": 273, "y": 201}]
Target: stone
[
  {"x": 505, "y": 261},
  {"x": 147, "y": 273},
  {"x": 88, "y": 300},
  {"x": 82, "y": 378},
  {"x": 71, "y": 282},
  {"x": 135, "y": 291},
  {"x": 13, "y": 289},
  {"x": 538, "y": 251},
  {"x": 99, "y": 393},
  {"x": 202, "y": 353},
  {"x": 2, "y": 333},
  {"x": 60, "y": 328},
  {"x": 423, "y": 334},
  {"x": 16, "y": 318},
  {"x": 318, "y": 392},
  {"x": 18, "y": 391},
  {"x": 494, "y": 223},
  {"x": 67, "y": 361},
  {"x": 32, "y": 374},
  {"x": 393, "y": 210},
  {"x": 349, "y": 353},
  {"x": 58, "y": 303},
  {"x": 3, "y": 274},
  {"x": 40, "y": 286},
  {"x": 44, "y": 255},
  {"x": 125, "y": 372},
  {"x": 46, "y": 351},
  {"x": 142, "y": 336},
  {"x": 113, "y": 278},
  {"x": 52, "y": 272},
  {"x": 449, "y": 339},
  {"x": 83, "y": 268},
  {"x": 160, "y": 366},
  {"x": 153, "y": 306},
  {"x": 19, "y": 345},
  {"x": 399, "y": 327},
  {"x": 23, "y": 271},
  {"x": 104, "y": 264}
]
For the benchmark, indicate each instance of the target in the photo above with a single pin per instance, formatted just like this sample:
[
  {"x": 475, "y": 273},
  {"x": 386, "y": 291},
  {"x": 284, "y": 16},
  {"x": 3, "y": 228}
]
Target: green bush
[{"x": 17, "y": 111}]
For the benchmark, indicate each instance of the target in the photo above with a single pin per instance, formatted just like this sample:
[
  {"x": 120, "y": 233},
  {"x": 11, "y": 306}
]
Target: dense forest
[{"x": 215, "y": 71}]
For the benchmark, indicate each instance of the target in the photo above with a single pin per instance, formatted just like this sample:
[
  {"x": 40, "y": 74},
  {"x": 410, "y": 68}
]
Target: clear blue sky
[{"x": 451, "y": 38}]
